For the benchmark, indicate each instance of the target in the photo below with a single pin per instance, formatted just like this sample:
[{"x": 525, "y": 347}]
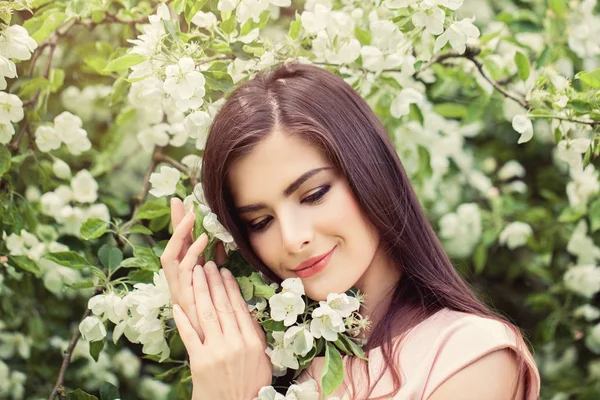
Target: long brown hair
[{"x": 321, "y": 108}]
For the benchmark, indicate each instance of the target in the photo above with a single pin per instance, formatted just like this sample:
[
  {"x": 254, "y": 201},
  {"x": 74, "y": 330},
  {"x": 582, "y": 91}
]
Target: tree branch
[
  {"x": 139, "y": 199},
  {"x": 67, "y": 359}
]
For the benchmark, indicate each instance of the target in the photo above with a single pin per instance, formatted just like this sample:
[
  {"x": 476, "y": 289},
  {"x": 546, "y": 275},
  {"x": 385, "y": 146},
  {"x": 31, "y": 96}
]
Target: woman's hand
[
  {"x": 174, "y": 253},
  {"x": 225, "y": 344}
]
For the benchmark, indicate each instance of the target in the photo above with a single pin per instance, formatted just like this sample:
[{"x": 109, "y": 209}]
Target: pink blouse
[{"x": 436, "y": 349}]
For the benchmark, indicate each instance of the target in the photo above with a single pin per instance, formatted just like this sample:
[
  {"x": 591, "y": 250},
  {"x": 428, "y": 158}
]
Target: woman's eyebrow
[{"x": 287, "y": 192}]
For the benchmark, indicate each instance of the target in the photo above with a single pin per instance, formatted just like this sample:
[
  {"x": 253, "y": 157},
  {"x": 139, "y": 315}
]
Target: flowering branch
[
  {"x": 139, "y": 199},
  {"x": 164, "y": 158}
]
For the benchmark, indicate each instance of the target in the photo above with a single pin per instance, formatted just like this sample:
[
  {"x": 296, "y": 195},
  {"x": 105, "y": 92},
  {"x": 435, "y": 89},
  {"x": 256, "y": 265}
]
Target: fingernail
[{"x": 225, "y": 273}]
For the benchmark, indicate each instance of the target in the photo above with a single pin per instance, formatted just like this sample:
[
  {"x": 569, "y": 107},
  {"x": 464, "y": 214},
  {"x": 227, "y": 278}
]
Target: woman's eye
[
  {"x": 259, "y": 226},
  {"x": 317, "y": 196}
]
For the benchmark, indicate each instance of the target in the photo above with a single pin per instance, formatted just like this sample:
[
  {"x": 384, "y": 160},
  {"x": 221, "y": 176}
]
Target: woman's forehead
[{"x": 274, "y": 163}]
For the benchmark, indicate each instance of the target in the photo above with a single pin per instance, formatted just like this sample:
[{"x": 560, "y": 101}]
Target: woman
[{"x": 298, "y": 168}]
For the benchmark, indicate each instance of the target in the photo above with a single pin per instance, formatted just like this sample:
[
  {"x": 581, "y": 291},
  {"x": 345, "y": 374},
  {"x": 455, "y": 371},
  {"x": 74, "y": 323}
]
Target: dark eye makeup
[{"x": 313, "y": 199}]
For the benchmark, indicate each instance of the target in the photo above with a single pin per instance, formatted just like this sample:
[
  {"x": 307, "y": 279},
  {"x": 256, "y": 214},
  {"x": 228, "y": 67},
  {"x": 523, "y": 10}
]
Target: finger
[
  {"x": 220, "y": 254},
  {"x": 177, "y": 215},
  {"x": 207, "y": 314},
  {"x": 175, "y": 244},
  {"x": 220, "y": 299},
  {"x": 188, "y": 334},
  {"x": 248, "y": 326},
  {"x": 186, "y": 288}
]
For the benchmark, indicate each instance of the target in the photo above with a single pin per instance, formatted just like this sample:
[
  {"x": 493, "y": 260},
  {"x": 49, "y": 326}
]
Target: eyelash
[{"x": 314, "y": 199}]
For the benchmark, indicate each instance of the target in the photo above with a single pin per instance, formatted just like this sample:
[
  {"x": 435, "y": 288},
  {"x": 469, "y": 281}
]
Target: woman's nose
[{"x": 296, "y": 233}]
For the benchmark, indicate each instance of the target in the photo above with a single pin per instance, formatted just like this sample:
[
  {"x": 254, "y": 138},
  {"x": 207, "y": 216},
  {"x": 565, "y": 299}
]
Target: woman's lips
[{"x": 316, "y": 267}]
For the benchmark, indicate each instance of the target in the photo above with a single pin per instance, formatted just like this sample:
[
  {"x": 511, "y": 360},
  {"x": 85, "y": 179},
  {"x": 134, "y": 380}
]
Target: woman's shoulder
[{"x": 449, "y": 341}]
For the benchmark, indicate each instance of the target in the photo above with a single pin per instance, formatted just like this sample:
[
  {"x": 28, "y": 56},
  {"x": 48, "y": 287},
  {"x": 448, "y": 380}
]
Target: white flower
[
  {"x": 515, "y": 235},
  {"x": 317, "y": 20},
  {"x": 69, "y": 130},
  {"x": 192, "y": 161},
  {"x": 571, "y": 151},
  {"x": 583, "y": 280},
  {"x": 401, "y": 104},
  {"x": 7, "y": 131},
  {"x": 522, "y": 124},
  {"x": 227, "y": 5},
  {"x": 204, "y": 19},
  {"x": 108, "y": 306},
  {"x": 304, "y": 391},
  {"x": 155, "y": 135},
  {"x": 164, "y": 183},
  {"x": 185, "y": 84},
  {"x": 281, "y": 355},
  {"x": 582, "y": 246},
  {"x": 269, "y": 393},
  {"x": 461, "y": 231},
  {"x": 431, "y": 18},
  {"x": 15, "y": 42},
  {"x": 587, "y": 311},
  {"x": 327, "y": 323},
  {"x": 61, "y": 169},
  {"x": 592, "y": 339},
  {"x": 85, "y": 187},
  {"x": 128, "y": 363},
  {"x": 8, "y": 69},
  {"x": 46, "y": 138},
  {"x": 197, "y": 125},
  {"x": 251, "y": 9},
  {"x": 216, "y": 229},
  {"x": 286, "y": 307},
  {"x": 11, "y": 108},
  {"x": 92, "y": 329},
  {"x": 299, "y": 338},
  {"x": 293, "y": 285},
  {"x": 583, "y": 186},
  {"x": 457, "y": 34},
  {"x": 343, "y": 304},
  {"x": 394, "y": 4},
  {"x": 511, "y": 169}
]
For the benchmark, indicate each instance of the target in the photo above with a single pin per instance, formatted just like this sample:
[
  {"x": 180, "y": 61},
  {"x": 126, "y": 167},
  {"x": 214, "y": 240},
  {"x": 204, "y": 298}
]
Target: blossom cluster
[{"x": 140, "y": 314}]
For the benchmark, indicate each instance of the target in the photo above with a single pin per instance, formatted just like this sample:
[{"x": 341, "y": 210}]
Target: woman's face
[{"x": 295, "y": 207}]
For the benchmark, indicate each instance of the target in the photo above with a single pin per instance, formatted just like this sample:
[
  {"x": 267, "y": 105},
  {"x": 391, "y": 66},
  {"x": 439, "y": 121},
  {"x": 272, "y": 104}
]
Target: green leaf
[
  {"x": 363, "y": 36},
  {"x": 93, "y": 228},
  {"x": 134, "y": 262},
  {"x": 52, "y": 21},
  {"x": 80, "y": 395},
  {"x": 332, "y": 374},
  {"x": 146, "y": 254},
  {"x": 246, "y": 287},
  {"x": 356, "y": 349},
  {"x": 295, "y": 27},
  {"x": 570, "y": 214},
  {"x": 558, "y": 6},
  {"x": 4, "y": 160},
  {"x": 451, "y": 110},
  {"x": 96, "y": 348},
  {"x": 271, "y": 325},
  {"x": 228, "y": 25},
  {"x": 109, "y": 392},
  {"x": 80, "y": 285},
  {"x": 140, "y": 229},
  {"x": 124, "y": 62},
  {"x": 591, "y": 78},
  {"x": 110, "y": 256},
  {"x": 523, "y": 67},
  {"x": 141, "y": 276},
  {"x": 595, "y": 216},
  {"x": 69, "y": 259},
  {"x": 178, "y": 6},
  {"x": 261, "y": 289},
  {"x": 57, "y": 78},
  {"x": 24, "y": 263},
  {"x": 152, "y": 209}
]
